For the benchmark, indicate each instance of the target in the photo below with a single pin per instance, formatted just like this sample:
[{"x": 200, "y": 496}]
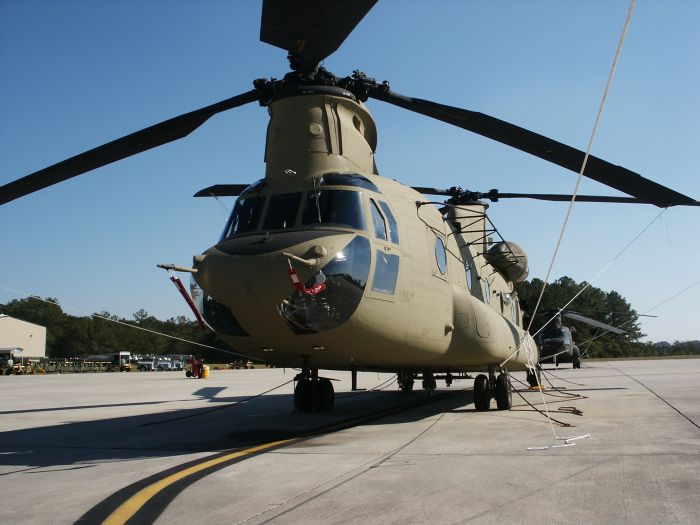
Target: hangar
[{"x": 28, "y": 338}]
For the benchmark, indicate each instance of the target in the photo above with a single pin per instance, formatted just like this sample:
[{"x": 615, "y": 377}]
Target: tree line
[{"x": 72, "y": 336}]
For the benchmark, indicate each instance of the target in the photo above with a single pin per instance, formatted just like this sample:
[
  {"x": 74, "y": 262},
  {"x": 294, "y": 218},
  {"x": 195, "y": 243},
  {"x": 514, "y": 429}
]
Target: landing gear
[
  {"x": 489, "y": 386},
  {"x": 576, "y": 358},
  {"x": 429, "y": 383},
  {"x": 534, "y": 377},
  {"x": 324, "y": 395},
  {"x": 313, "y": 391},
  {"x": 304, "y": 395},
  {"x": 502, "y": 392},
  {"x": 405, "y": 380},
  {"x": 482, "y": 393}
]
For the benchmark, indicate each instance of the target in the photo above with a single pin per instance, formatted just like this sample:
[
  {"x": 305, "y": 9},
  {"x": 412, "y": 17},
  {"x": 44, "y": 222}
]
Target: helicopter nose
[{"x": 263, "y": 280}]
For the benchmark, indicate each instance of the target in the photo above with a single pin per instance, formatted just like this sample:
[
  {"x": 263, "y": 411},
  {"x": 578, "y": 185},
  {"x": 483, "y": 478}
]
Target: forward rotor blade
[
  {"x": 222, "y": 190},
  {"x": 570, "y": 158},
  {"x": 312, "y": 28},
  {"x": 432, "y": 191},
  {"x": 592, "y": 322},
  {"x": 148, "y": 138}
]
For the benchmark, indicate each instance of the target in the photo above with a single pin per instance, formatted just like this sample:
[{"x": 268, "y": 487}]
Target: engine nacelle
[{"x": 509, "y": 259}]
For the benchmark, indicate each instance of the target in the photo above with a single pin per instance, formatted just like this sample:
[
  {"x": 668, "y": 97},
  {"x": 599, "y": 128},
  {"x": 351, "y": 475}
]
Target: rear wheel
[
  {"x": 482, "y": 393},
  {"x": 504, "y": 396}
]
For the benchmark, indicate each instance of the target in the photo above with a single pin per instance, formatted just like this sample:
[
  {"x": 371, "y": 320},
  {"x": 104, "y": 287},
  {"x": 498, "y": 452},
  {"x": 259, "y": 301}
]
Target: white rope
[
  {"x": 570, "y": 441},
  {"x": 602, "y": 271},
  {"x": 587, "y": 155},
  {"x": 25, "y": 294}
]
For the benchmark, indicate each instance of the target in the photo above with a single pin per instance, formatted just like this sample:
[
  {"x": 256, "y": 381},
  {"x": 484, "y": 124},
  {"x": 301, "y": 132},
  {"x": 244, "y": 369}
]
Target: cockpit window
[
  {"x": 246, "y": 215},
  {"x": 334, "y": 207},
  {"x": 379, "y": 222},
  {"x": 347, "y": 179},
  {"x": 282, "y": 211},
  {"x": 393, "y": 228},
  {"x": 254, "y": 188}
]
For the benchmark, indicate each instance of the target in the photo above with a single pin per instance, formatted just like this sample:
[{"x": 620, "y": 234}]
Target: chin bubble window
[{"x": 331, "y": 295}]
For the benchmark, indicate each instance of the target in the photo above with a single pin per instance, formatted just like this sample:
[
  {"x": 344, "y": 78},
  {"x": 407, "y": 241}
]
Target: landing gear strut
[
  {"x": 429, "y": 383},
  {"x": 534, "y": 376}
]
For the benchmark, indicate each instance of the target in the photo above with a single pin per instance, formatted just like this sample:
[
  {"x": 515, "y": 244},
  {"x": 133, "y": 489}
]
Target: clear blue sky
[{"x": 76, "y": 74}]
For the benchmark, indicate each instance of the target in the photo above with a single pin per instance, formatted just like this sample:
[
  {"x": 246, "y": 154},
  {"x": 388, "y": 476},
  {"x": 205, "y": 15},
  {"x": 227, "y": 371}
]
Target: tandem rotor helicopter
[{"x": 326, "y": 264}]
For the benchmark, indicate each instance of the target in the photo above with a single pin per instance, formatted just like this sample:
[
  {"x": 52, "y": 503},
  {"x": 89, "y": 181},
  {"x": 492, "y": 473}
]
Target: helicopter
[
  {"x": 324, "y": 263},
  {"x": 556, "y": 342}
]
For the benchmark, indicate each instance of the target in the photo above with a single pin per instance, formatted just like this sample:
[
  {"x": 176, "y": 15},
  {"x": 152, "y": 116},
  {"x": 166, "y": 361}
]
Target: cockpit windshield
[
  {"x": 334, "y": 207},
  {"x": 321, "y": 204},
  {"x": 246, "y": 215}
]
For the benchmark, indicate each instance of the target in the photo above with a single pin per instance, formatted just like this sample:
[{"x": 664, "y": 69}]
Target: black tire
[
  {"x": 304, "y": 396},
  {"x": 482, "y": 393},
  {"x": 143, "y": 368},
  {"x": 407, "y": 386},
  {"x": 324, "y": 395},
  {"x": 503, "y": 394},
  {"x": 188, "y": 374}
]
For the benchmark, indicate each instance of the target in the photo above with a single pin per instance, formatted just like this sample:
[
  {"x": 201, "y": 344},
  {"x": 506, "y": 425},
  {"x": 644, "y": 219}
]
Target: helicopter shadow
[{"x": 234, "y": 422}]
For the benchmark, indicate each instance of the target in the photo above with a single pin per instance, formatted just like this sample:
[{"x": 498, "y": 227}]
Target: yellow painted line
[{"x": 126, "y": 510}]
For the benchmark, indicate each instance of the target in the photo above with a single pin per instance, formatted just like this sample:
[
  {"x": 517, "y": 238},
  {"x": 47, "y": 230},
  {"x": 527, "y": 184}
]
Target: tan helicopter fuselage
[{"x": 414, "y": 306}]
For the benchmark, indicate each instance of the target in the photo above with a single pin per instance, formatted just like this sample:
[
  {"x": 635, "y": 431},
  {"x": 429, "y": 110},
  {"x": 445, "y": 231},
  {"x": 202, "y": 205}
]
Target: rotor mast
[{"x": 320, "y": 130}]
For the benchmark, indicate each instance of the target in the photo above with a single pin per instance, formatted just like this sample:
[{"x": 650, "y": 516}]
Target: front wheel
[
  {"x": 324, "y": 395},
  {"x": 304, "y": 396}
]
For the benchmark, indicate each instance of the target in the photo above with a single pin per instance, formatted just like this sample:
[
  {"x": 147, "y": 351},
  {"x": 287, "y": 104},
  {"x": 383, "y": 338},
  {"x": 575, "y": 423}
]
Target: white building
[{"x": 30, "y": 338}]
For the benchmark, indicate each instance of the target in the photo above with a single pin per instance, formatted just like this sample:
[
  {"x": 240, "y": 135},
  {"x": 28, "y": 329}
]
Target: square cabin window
[{"x": 386, "y": 271}]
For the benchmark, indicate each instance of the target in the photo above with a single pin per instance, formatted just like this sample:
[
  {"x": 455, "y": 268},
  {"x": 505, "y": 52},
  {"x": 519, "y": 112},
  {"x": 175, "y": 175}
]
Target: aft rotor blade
[
  {"x": 592, "y": 322},
  {"x": 530, "y": 142},
  {"x": 582, "y": 198},
  {"x": 148, "y": 138},
  {"x": 222, "y": 190},
  {"x": 312, "y": 28}
]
